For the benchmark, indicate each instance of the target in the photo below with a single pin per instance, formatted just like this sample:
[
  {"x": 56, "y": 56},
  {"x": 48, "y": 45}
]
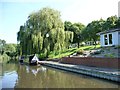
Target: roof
[
  {"x": 109, "y": 31},
  {"x": 35, "y": 58}
]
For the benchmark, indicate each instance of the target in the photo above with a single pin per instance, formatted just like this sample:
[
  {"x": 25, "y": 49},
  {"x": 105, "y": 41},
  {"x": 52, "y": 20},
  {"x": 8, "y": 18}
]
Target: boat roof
[{"x": 35, "y": 58}]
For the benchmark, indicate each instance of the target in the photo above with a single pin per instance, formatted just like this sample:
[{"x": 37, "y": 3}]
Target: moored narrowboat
[{"x": 33, "y": 60}]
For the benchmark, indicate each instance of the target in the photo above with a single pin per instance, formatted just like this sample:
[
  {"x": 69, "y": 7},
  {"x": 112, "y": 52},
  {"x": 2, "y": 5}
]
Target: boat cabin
[{"x": 33, "y": 60}]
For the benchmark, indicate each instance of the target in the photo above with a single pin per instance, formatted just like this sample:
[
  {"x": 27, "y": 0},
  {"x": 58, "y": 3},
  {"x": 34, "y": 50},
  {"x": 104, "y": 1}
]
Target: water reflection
[
  {"x": 0, "y": 76},
  {"x": 43, "y": 77},
  {"x": 0, "y": 69},
  {"x": 9, "y": 79},
  {"x": 30, "y": 77},
  {"x": 8, "y": 75}
]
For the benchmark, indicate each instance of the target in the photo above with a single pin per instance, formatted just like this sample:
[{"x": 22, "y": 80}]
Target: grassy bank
[
  {"x": 53, "y": 55},
  {"x": 67, "y": 52}
]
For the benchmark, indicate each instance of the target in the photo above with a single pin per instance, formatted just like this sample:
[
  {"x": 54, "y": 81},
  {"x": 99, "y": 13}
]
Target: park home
[{"x": 110, "y": 37}]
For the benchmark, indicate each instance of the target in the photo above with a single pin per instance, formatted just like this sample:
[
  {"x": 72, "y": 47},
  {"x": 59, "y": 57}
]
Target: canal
[{"x": 25, "y": 76}]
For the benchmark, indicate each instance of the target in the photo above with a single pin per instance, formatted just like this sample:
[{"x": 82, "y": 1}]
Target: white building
[
  {"x": 88, "y": 43},
  {"x": 119, "y": 9},
  {"x": 110, "y": 37}
]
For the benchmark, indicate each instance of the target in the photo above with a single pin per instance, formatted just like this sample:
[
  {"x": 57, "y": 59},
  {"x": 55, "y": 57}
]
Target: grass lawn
[
  {"x": 67, "y": 52},
  {"x": 90, "y": 47}
]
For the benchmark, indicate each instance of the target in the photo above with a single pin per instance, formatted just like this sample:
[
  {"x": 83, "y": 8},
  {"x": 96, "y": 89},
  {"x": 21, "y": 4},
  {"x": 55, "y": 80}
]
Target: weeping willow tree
[{"x": 43, "y": 32}]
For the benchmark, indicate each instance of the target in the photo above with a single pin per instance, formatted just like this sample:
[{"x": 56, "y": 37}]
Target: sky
[{"x": 14, "y": 13}]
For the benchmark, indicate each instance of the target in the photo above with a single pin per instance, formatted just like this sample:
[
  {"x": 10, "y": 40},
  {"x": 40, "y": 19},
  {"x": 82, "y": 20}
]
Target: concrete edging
[{"x": 85, "y": 71}]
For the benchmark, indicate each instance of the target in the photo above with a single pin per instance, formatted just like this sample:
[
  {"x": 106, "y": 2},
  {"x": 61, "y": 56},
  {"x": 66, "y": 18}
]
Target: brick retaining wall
[{"x": 93, "y": 61}]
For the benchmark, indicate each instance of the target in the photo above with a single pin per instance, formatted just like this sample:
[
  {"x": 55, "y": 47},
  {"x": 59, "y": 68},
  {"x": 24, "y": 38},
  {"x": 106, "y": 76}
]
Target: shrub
[
  {"x": 80, "y": 52},
  {"x": 109, "y": 55},
  {"x": 4, "y": 58},
  {"x": 97, "y": 52},
  {"x": 42, "y": 56},
  {"x": 82, "y": 45},
  {"x": 108, "y": 48},
  {"x": 117, "y": 47}
]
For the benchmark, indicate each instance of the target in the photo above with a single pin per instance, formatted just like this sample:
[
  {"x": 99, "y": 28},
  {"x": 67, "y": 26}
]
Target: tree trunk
[
  {"x": 78, "y": 45},
  {"x": 95, "y": 43}
]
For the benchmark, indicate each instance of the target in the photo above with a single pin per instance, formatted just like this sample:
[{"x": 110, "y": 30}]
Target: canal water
[{"x": 25, "y": 76}]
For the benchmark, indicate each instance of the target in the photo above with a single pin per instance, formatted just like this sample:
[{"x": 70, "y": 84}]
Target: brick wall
[{"x": 92, "y": 61}]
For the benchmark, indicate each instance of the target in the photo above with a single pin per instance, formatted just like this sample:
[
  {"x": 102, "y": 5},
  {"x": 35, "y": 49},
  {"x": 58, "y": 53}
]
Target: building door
[
  {"x": 105, "y": 39},
  {"x": 108, "y": 39}
]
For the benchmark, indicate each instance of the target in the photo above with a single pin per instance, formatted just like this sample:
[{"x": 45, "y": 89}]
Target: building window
[
  {"x": 106, "y": 39},
  {"x": 110, "y": 38}
]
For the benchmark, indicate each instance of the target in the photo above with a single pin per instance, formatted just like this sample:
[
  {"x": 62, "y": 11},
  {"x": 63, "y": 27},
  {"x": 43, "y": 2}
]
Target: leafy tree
[
  {"x": 11, "y": 50},
  {"x": 68, "y": 38},
  {"x": 110, "y": 23},
  {"x": 92, "y": 29},
  {"x": 43, "y": 32},
  {"x": 67, "y": 26},
  {"x": 76, "y": 28},
  {"x": 2, "y": 46},
  {"x": 117, "y": 23}
]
